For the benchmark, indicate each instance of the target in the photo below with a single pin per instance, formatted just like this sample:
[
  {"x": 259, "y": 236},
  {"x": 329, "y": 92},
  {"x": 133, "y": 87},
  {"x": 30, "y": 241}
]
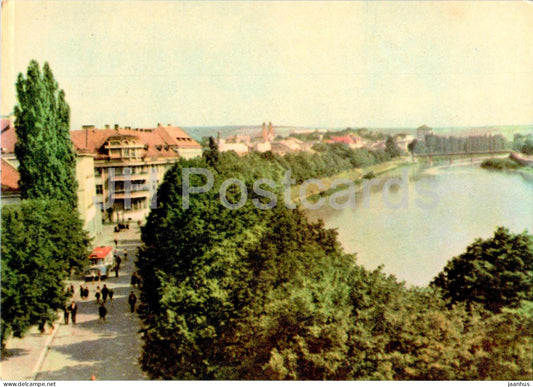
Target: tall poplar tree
[{"x": 44, "y": 149}]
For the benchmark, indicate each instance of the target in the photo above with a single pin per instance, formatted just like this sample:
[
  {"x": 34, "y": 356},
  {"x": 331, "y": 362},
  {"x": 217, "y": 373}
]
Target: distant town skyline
[{"x": 312, "y": 64}]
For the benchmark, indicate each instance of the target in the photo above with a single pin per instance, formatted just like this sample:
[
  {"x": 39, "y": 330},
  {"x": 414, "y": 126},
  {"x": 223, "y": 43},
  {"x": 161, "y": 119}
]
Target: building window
[{"x": 99, "y": 189}]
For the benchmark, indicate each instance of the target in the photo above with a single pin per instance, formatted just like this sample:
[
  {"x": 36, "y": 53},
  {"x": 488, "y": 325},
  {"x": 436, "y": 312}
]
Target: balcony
[
  {"x": 131, "y": 177},
  {"x": 133, "y": 188},
  {"x": 131, "y": 195}
]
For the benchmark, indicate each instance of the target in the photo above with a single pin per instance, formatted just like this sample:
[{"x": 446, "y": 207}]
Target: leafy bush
[{"x": 500, "y": 164}]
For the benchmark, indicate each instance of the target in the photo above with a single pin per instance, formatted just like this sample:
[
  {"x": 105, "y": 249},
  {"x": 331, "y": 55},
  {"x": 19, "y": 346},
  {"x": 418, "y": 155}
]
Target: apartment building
[
  {"x": 118, "y": 170},
  {"x": 129, "y": 165}
]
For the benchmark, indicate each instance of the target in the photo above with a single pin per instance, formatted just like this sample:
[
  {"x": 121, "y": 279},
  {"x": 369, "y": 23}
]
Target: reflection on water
[{"x": 414, "y": 241}]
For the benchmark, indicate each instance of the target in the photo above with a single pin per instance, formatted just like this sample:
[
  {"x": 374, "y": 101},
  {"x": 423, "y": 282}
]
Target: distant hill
[{"x": 197, "y": 132}]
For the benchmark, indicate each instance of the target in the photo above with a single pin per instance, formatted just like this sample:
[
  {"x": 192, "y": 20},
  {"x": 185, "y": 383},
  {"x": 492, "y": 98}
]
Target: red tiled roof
[
  {"x": 344, "y": 139},
  {"x": 9, "y": 137},
  {"x": 10, "y": 177},
  {"x": 173, "y": 135},
  {"x": 159, "y": 141}
]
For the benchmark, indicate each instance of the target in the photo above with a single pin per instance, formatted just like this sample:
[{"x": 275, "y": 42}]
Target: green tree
[
  {"x": 44, "y": 149},
  {"x": 218, "y": 284},
  {"x": 41, "y": 243},
  {"x": 391, "y": 147},
  {"x": 496, "y": 272},
  {"x": 412, "y": 145},
  {"x": 527, "y": 148},
  {"x": 250, "y": 294},
  {"x": 212, "y": 154}
]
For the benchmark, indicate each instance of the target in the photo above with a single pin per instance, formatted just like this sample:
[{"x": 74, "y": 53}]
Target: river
[{"x": 431, "y": 215}]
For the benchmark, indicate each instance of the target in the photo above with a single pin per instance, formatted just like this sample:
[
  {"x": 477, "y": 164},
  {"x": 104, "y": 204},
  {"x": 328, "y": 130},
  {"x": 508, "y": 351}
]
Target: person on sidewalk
[
  {"x": 82, "y": 292},
  {"x": 132, "y": 300},
  {"x": 73, "y": 308},
  {"x": 134, "y": 279},
  {"x": 105, "y": 293},
  {"x": 102, "y": 312},
  {"x": 86, "y": 292},
  {"x": 66, "y": 314},
  {"x": 97, "y": 294},
  {"x": 111, "y": 292}
]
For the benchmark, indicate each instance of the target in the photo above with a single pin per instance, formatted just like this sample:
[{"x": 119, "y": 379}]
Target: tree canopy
[
  {"x": 266, "y": 294},
  {"x": 43, "y": 240},
  {"x": 44, "y": 149},
  {"x": 496, "y": 272},
  {"x": 41, "y": 245}
]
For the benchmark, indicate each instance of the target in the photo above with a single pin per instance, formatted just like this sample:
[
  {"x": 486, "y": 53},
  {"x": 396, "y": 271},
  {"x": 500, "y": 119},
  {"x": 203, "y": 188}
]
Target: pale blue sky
[{"x": 322, "y": 64}]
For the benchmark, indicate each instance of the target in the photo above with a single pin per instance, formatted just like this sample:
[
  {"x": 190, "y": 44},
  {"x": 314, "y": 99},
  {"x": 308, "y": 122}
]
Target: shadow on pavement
[
  {"x": 105, "y": 358},
  {"x": 13, "y": 352}
]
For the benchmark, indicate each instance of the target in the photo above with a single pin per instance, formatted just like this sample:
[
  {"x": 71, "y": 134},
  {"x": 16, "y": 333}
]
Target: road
[{"x": 92, "y": 349}]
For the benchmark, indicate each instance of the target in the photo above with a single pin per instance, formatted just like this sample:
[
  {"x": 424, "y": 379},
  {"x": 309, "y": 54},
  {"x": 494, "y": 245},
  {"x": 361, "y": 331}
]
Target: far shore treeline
[{"x": 266, "y": 294}]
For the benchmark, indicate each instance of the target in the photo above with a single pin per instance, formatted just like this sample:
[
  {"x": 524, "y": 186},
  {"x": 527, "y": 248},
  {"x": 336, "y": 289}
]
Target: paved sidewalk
[{"x": 90, "y": 348}]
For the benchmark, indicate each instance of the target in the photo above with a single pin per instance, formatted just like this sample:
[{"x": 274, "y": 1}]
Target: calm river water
[{"x": 415, "y": 227}]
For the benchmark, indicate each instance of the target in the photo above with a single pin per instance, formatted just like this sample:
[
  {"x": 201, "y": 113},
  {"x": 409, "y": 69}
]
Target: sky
[{"x": 314, "y": 64}]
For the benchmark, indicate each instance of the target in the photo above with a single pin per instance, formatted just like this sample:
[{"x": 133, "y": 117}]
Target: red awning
[{"x": 100, "y": 252}]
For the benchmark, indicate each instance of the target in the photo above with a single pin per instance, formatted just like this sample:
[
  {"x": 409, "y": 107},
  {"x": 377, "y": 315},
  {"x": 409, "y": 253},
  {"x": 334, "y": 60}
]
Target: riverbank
[
  {"x": 509, "y": 166},
  {"x": 314, "y": 192},
  {"x": 414, "y": 241}
]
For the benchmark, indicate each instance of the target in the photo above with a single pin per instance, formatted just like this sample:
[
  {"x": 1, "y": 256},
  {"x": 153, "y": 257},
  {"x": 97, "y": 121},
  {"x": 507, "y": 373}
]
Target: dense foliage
[
  {"x": 43, "y": 241},
  {"x": 41, "y": 244},
  {"x": 265, "y": 294},
  {"x": 496, "y": 273},
  {"x": 500, "y": 164},
  {"x": 44, "y": 149},
  {"x": 523, "y": 143}
]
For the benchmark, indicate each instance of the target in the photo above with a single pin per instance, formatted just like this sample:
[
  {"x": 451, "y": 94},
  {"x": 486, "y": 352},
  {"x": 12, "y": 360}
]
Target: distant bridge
[
  {"x": 451, "y": 155},
  {"x": 461, "y": 153}
]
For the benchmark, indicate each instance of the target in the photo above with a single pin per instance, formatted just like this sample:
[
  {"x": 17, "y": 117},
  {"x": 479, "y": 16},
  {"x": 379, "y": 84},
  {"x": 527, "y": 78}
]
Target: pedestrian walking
[
  {"x": 97, "y": 294},
  {"x": 111, "y": 292},
  {"x": 102, "y": 312},
  {"x": 132, "y": 300},
  {"x": 116, "y": 242},
  {"x": 82, "y": 292},
  {"x": 116, "y": 268},
  {"x": 105, "y": 293},
  {"x": 71, "y": 290},
  {"x": 86, "y": 292},
  {"x": 125, "y": 254},
  {"x": 135, "y": 280},
  {"x": 66, "y": 314},
  {"x": 73, "y": 308}
]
